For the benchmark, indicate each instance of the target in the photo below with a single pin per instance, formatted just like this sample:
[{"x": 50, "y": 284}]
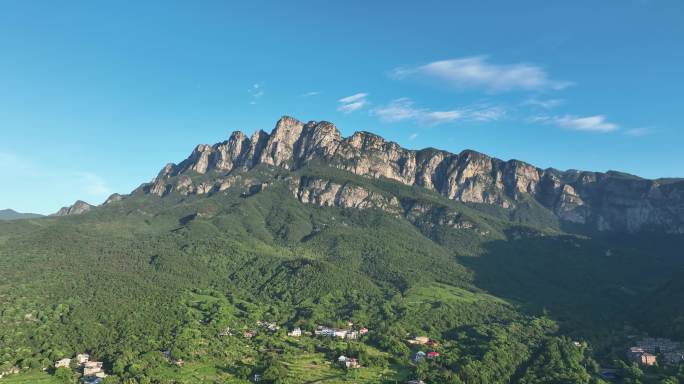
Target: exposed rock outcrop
[
  {"x": 114, "y": 197},
  {"x": 604, "y": 201},
  {"x": 79, "y": 207},
  {"x": 326, "y": 193}
]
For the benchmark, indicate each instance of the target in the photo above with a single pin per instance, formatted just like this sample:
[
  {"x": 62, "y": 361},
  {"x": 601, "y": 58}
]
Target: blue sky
[{"x": 95, "y": 97}]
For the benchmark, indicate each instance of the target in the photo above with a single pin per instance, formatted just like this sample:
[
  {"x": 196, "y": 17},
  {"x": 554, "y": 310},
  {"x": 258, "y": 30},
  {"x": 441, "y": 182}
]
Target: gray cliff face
[
  {"x": 113, "y": 198},
  {"x": 79, "y": 207},
  {"x": 326, "y": 193},
  {"x": 603, "y": 201}
]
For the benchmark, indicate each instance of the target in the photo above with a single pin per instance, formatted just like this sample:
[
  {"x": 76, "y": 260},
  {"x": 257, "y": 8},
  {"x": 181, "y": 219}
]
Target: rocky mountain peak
[
  {"x": 114, "y": 197},
  {"x": 603, "y": 201},
  {"x": 79, "y": 207}
]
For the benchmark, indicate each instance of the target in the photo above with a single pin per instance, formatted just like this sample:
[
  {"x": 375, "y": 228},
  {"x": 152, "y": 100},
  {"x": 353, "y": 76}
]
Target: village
[
  {"x": 656, "y": 351},
  {"x": 350, "y": 333},
  {"x": 646, "y": 352},
  {"x": 91, "y": 372}
]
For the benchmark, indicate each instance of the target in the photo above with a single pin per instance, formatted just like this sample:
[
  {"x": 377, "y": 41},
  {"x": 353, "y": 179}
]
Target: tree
[
  {"x": 631, "y": 374},
  {"x": 422, "y": 369},
  {"x": 65, "y": 375}
]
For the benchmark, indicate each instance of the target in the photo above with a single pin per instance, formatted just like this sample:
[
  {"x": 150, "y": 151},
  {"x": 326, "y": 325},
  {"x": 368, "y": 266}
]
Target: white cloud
[
  {"x": 352, "y": 103},
  {"x": 639, "y": 132},
  {"x": 597, "y": 123},
  {"x": 413, "y": 136},
  {"x": 485, "y": 113},
  {"x": 353, "y": 98},
  {"x": 256, "y": 91},
  {"x": 397, "y": 110},
  {"x": 351, "y": 107},
  {"x": 476, "y": 73},
  {"x": 310, "y": 94},
  {"x": 404, "y": 109},
  {"x": 438, "y": 117}
]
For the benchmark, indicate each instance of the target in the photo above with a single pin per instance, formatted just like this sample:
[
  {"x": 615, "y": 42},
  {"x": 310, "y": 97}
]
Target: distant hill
[{"x": 10, "y": 214}]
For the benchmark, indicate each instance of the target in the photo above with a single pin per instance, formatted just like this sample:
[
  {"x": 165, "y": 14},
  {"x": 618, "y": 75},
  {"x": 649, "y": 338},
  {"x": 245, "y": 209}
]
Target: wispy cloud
[
  {"x": 413, "y": 136},
  {"x": 475, "y": 72},
  {"x": 597, "y": 123},
  {"x": 352, "y": 103},
  {"x": 66, "y": 186},
  {"x": 256, "y": 91},
  {"x": 439, "y": 117},
  {"x": 543, "y": 103},
  {"x": 639, "y": 132},
  {"x": 17, "y": 166},
  {"x": 397, "y": 110},
  {"x": 93, "y": 184},
  {"x": 485, "y": 112},
  {"x": 311, "y": 93},
  {"x": 404, "y": 109}
]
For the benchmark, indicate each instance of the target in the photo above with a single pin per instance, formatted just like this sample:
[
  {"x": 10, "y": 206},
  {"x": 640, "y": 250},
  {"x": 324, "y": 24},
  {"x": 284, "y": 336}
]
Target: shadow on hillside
[{"x": 583, "y": 283}]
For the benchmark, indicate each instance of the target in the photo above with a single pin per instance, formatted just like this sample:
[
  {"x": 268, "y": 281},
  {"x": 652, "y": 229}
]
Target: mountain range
[
  {"x": 512, "y": 273},
  {"x": 611, "y": 201}
]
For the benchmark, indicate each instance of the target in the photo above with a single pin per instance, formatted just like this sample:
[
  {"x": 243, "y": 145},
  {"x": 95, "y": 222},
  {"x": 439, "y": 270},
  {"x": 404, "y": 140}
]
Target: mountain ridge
[
  {"x": 11, "y": 214},
  {"x": 610, "y": 201}
]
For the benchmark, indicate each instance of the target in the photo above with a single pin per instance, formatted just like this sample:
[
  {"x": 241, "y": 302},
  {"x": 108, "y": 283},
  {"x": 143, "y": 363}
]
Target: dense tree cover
[
  {"x": 558, "y": 361},
  {"x": 146, "y": 281}
]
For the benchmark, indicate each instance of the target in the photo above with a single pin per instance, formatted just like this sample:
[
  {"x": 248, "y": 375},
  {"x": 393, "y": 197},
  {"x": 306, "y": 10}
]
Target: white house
[
  {"x": 63, "y": 363},
  {"x": 82, "y": 358},
  {"x": 341, "y": 333},
  {"x": 348, "y": 362},
  {"x": 352, "y": 335}
]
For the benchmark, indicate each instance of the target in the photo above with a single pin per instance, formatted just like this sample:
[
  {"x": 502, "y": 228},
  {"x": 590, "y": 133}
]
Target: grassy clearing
[
  {"x": 444, "y": 293},
  {"x": 315, "y": 368},
  {"x": 196, "y": 372},
  {"x": 30, "y": 377}
]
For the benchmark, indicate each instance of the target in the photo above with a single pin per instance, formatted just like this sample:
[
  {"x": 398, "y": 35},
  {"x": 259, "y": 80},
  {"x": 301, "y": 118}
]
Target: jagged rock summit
[
  {"x": 602, "y": 201},
  {"x": 79, "y": 207}
]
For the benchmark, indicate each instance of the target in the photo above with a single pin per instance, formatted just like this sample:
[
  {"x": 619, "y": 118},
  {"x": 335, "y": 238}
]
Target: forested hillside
[
  {"x": 10, "y": 214},
  {"x": 502, "y": 295}
]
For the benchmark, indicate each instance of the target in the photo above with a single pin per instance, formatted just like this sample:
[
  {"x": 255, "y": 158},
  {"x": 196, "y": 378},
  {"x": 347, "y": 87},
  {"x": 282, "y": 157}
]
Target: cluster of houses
[
  {"x": 423, "y": 340},
  {"x": 420, "y": 355},
  {"x": 248, "y": 334},
  {"x": 646, "y": 352},
  {"x": 323, "y": 331},
  {"x": 92, "y": 372},
  {"x": 348, "y": 362},
  {"x": 270, "y": 326},
  {"x": 349, "y": 333}
]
